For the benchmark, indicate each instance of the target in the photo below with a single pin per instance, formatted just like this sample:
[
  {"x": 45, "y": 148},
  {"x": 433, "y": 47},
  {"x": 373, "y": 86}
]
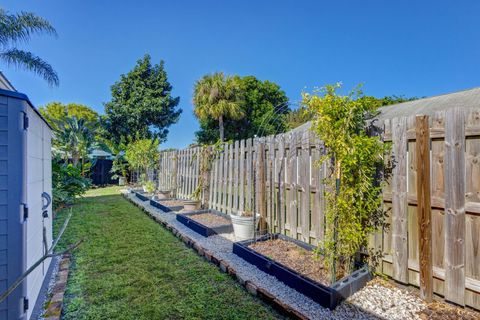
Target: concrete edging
[{"x": 54, "y": 307}]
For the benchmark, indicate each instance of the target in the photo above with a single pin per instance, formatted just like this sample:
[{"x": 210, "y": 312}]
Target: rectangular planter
[
  {"x": 141, "y": 196},
  {"x": 203, "y": 229},
  {"x": 158, "y": 204},
  {"x": 326, "y": 296}
]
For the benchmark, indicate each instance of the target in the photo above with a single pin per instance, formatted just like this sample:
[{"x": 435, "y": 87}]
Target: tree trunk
[
  {"x": 220, "y": 124},
  {"x": 75, "y": 158}
]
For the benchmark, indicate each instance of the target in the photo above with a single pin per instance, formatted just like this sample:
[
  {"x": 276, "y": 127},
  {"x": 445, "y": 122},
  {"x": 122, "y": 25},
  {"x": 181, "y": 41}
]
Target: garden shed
[{"x": 25, "y": 201}]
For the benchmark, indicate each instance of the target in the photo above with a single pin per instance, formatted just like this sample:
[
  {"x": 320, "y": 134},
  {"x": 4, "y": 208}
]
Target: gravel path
[{"x": 376, "y": 301}]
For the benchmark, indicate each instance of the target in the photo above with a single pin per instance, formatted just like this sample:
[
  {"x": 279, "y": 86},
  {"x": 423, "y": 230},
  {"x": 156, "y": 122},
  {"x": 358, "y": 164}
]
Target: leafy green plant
[
  {"x": 149, "y": 186},
  {"x": 142, "y": 104},
  {"x": 67, "y": 183},
  {"x": 206, "y": 154},
  {"x": 353, "y": 199},
  {"x": 142, "y": 154},
  {"x": 18, "y": 28},
  {"x": 264, "y": 105},
  {"x": 218, "y": 96}
]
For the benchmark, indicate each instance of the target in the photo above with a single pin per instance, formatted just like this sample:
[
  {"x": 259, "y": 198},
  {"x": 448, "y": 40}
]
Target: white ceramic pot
[
  {"x": 121, "y": 181},
  {"x": 243, "y": 227},
  {"x": 191, "y": 205}
]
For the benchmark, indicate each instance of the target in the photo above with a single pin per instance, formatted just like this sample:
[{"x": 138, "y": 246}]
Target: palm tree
[
  {"x": 74, "y": 139},
  {"x": 217, "y": 96},
  {"x": 18, "y": 28}
]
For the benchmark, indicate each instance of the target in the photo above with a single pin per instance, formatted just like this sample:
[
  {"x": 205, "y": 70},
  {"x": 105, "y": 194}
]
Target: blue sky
[{"x": 412, "y": 48}]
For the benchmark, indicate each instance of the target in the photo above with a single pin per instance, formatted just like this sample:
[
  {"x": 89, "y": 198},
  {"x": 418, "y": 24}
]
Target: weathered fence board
[
  {"x": 399, "y": 201},
  {"x": 455, "y": 206}
]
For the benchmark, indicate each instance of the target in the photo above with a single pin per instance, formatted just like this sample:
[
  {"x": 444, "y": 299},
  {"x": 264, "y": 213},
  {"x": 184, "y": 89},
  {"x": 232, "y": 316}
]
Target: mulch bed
[
  {"x": 443, "y": 311},
  {"x": 210, "y": 219},
  {"x": 305, "y": 262}
]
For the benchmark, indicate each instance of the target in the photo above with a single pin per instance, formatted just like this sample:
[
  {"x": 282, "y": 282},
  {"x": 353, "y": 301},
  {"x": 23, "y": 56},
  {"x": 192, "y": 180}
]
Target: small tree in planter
[
  {"x": 141, "y": 155},
  {"x": 207, "y": 154},
  {"x": 354, "y": 208}
]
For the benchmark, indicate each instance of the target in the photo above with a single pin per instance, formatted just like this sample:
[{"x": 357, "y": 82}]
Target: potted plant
[
  {"x": 194, "y": 203},
  {"x": 244, "y": 224}
]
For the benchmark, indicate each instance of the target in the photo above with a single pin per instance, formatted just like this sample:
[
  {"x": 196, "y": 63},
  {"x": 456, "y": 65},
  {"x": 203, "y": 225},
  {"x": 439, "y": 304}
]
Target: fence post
[{"x": 424, "y": 209}]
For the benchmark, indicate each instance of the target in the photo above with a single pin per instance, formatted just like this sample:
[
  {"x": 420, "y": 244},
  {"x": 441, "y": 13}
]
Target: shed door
[{"x": 39, "y": 180}]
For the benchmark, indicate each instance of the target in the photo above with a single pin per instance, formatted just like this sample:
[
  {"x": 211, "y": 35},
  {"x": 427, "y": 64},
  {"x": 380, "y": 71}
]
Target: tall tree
[
  {"x": 264, "y": 106},
  {"x": 142, "y": 104},
  {"x": 217, "y": 96},
  {"x": 18, "y": 28}
]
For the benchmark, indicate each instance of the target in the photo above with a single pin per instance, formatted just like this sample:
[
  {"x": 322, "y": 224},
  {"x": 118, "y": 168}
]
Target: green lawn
[{"x": 129, "y": 267}]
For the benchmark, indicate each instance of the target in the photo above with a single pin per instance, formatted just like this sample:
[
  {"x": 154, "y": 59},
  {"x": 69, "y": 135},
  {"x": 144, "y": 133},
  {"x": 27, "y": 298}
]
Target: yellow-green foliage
[
  {"x": 353, "y": 202},
  {"x": 142, "y": 154}
]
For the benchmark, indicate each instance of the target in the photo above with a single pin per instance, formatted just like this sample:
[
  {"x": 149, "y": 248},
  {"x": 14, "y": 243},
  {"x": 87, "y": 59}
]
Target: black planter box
[
  {"x": 326, "y": 296},
  {"x": 141, "y": 196},
  {"x": 158, "y": 204},
  {"x": 202, "y": 229}
]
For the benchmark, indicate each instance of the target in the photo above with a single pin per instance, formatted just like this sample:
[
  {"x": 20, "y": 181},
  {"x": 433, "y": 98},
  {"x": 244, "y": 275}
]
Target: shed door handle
[{"x": 48, "y": 200}]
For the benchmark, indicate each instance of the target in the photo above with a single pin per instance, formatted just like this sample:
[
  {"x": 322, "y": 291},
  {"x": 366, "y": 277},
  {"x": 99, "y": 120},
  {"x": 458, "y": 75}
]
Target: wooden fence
[{"x": 280, "y": 178}]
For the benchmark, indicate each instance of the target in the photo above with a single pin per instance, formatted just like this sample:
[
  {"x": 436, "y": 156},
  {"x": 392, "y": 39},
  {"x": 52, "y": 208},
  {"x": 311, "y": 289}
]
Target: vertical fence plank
[
  {"x": 399, "y": 201},
  {"x": 281, "y": 185},
  {"x": 241, "y": 181},
  {"x": 424, "y": 209},
  {"x": 260, "y": 188},
  {"x": 213, "y": 179},
  {"x": 318, "y": 197},
  {"x": 230, "y": 179},
  {"x": 292, "y": 179},
  {"x": 249, "y": 195},
  {"x": 455, "y": 206},
  {"x": 269, "y": 181},
  {"x": 225, "y": 177},
  {"x": 304, "y": 184},
  {"x": 236, "y": 173}
]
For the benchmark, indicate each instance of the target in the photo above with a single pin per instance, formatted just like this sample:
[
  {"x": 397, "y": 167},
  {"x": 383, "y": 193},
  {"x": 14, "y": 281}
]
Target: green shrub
[
  {"x": 149, "y": 186},
  {"x": 67, "y": 183}
]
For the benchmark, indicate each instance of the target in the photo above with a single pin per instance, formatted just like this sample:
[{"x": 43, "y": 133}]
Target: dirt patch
[
  {"x": 443, "y": 311},
  {"x": 210, "y": 219},
  {"x": 172, "y": 203},
  {"x": 295, "y": 257}
]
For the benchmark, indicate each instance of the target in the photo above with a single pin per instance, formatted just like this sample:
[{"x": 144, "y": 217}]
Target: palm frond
[
  {"x": 19, "y": 27},
  {"x": 29, "y": 61}
]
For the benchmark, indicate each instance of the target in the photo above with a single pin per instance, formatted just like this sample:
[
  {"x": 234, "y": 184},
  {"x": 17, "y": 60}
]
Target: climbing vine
[
  {"x": 354, "y": 207},
  {"x": 207, "y": 154}
]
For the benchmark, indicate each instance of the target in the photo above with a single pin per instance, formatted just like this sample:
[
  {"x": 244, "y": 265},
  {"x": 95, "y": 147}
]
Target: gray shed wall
[{"x": 12, "y": 148}]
